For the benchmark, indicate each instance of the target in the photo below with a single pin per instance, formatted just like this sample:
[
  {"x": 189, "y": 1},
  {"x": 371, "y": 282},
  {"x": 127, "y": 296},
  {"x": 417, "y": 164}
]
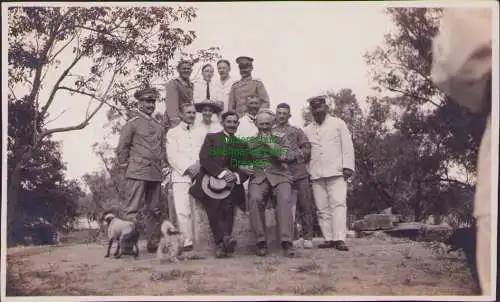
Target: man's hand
[
  {"x": 347, "y": 173},
  {"x": 249, "y": 171},
  {"x": 230, "y": 177},
  {"x": 166, "y": 171},
  {"x": 193, "y": 170}
]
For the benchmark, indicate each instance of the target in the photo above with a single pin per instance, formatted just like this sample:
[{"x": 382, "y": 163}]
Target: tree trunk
[
  {"x": 417, "y": 204},
  {"x": 14, "y": 186}
]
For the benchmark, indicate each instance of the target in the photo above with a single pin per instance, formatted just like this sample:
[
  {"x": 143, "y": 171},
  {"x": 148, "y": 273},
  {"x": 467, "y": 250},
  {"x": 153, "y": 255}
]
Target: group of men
[{"x": 249, "y": 174}]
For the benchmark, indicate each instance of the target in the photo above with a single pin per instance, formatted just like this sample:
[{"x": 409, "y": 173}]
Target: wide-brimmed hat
[
  {"x": 216, "y": 106},
  {"x": 215, "y": 188}
]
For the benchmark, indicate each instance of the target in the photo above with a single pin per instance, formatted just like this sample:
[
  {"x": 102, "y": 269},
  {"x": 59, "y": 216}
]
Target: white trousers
[
  {"x": 330, "y": 195},
  {"x": 183, "y": 204}
]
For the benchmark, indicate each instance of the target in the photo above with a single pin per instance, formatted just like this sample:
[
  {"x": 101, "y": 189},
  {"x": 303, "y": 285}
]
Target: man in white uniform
[
  {"x": 332, "y": 163},
  {"x": 247, "y": 127},
  {"x": 462, "y": 68},
  {"x": 183, "y": 147}
]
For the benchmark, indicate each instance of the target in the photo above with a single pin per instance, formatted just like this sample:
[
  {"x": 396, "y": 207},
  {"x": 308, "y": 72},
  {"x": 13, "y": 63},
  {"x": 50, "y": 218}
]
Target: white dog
[
  {"x": 171, "y": 242},
  {"x": 124, "y": 232}
]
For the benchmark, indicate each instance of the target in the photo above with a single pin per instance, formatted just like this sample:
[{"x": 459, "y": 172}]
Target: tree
[
  {"x": 44, "y": 190},
  {"x": 441, "y": 134},
  {"x": 113, "y": 51}
]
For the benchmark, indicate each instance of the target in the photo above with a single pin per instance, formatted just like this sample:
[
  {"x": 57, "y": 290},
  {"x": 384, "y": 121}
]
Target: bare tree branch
[{"x": 58, "y": 116}]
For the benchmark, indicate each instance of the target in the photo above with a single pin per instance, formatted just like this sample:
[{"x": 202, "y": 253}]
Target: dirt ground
[{"x": 377, "y": 265}]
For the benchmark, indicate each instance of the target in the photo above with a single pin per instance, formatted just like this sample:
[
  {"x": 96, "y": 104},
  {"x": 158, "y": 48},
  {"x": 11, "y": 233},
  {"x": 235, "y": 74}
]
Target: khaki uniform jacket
[
  {"x": 270, "y": 167},
  {"x": 141, "y": 148},
  {"x": 244, "y": 88}
]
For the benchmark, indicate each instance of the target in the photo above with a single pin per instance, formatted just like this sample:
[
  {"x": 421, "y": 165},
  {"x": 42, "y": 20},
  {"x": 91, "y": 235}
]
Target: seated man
[
  {"x": 269, "y": 157},
  {"x": 219, "y": 156}
]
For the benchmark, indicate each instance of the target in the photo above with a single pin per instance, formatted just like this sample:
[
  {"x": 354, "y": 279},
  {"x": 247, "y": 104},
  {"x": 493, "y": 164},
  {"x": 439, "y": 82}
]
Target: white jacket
[
  {"x": 183, "y": 149},
  {"x": 332, "y": 149}
]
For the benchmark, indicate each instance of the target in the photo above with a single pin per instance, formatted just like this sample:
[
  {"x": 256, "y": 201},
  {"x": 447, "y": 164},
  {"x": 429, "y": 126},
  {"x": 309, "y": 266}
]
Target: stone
[{"x": 374, "y": 222}]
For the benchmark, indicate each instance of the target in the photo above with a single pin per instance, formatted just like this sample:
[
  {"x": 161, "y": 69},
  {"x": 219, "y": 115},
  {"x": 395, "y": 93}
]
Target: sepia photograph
[{"x": 291, "y": 150}]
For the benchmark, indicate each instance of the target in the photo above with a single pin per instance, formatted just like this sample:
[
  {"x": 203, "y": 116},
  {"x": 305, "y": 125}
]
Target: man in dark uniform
[
  {"x": 246, "y": 87},
  {"x": 302, "y": 194},
  {"x": 141, "y": 151},
  {"x": 178, "y": 92}
]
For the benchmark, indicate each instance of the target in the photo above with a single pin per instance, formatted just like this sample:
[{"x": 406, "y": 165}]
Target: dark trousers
[
  {"x": 305, "y": 207},
  {"x": 144, "y": 196},
  {"x": 258, "y": 199},
  {"x": 220, "y": 215}
]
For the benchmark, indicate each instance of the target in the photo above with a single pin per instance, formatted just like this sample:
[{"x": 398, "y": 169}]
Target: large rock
[{"x": 374, "y": 222}]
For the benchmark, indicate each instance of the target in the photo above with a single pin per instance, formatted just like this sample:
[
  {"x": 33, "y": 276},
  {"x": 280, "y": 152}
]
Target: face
[
  {"x": 208, "y": 73},
  {"x": 282, "y": 115},
  {"x": 319, "y": 112},
  {"x": 147, "y": 106},
  {"x": 264, "y": 122},
  {"x": 223, "y": 69},
  {"x": 189, "y": 114},
  {"x": 230, "y": 124},
  {"x": 246, "y": 71},
  {"x": 185, "y": 70},
  {"x": 253, "y": 105},
  {"x": 207, "y": 113}
]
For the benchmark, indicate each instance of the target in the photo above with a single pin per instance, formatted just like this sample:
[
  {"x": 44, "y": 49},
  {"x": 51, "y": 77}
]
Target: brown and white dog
[
  {"x": 122, "y": 231},
  {"x": 171, "y": 242}
]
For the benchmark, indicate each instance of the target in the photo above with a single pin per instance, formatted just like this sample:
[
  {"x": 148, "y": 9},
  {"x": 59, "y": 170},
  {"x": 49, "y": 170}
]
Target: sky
[{"x": 299, "y": 50}]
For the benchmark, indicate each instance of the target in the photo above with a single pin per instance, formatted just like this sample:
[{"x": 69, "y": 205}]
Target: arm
[
  {"x": 462, "y": 56},
  {"x": 172, "y": 105},
  {"x": 304, "y": 145},
  {"x": 231, "y": 101},
  {"x": 262, "y": 93},
  {"x": 175, "y": 158},
  {"x": 347, "y": 147},
  {"x": 164, "y": 160},
  {"x": 124, "y": 143},
  {"x": 208, "y": 157}
]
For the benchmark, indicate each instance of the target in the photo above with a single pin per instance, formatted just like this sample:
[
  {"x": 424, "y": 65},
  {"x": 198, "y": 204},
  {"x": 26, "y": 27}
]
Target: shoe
[
  {"x": 288, "y": 250},
  {"x": 151, "y": 247},
  {"x": 341, "y": 246},
  {"x": 307, "y": 244},
  {"x": 220, "y": 251},
  {"x": 261, "y": 249},
  {"x": 188, "y": 248},
  {"x": 229, "y": 245},
  {"x": 327, "y": 245}
]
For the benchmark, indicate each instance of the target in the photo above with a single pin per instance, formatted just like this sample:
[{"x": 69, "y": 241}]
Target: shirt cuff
[
  {"x": 221, "y": 174},
  {"x": 238, "y": 181}
]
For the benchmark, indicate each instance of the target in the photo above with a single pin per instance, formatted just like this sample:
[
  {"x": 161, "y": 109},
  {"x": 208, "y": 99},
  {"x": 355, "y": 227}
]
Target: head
[
  {"x": 207, "y": 71},
  {"x": 146, "y": 100},
  {"x": 107, "y": 217},
  {"x": 265, "y": 121},
  {"x": 230, "y": 122},
  {"x": 185, "y": 68},
  {"x": 245, "y": 65},
  {"x": 319, "y": 109},
  {"x": 283, "y": 113},
  {"x": 188, "y": 113},
  {"x": 223, "y": 67},
  {"x": 206, "y": 113},
  {"x": 253, "y": 105}
]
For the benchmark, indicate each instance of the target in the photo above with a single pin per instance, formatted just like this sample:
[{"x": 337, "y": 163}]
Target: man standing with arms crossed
[
  {"x": 246, "y": 87},
  {"x": 331, "y": 165},
  {"x": 141, "y": 151},
  {"x": 301, "y": 193}
]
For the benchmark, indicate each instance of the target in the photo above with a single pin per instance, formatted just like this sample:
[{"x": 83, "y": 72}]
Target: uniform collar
[
  {"x": 251, "y": 117},
  {"x": 188, "y": 83},
  {"x": 144, "y": 115},
  {"x": 186, "y": 126}
]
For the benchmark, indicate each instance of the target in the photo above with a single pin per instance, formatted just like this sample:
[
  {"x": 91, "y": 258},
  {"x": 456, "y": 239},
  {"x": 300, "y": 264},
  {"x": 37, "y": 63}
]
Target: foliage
[{"x": 99, "y": 54}]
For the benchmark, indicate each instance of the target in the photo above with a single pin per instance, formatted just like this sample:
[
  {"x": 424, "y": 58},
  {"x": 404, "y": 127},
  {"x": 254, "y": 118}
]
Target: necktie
[{"x": 208, "y": 91}]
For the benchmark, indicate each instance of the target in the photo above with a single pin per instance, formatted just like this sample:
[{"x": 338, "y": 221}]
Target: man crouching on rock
[
  {"x": 141, "y": 152},
  {"x": 219, "y": 185}
]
